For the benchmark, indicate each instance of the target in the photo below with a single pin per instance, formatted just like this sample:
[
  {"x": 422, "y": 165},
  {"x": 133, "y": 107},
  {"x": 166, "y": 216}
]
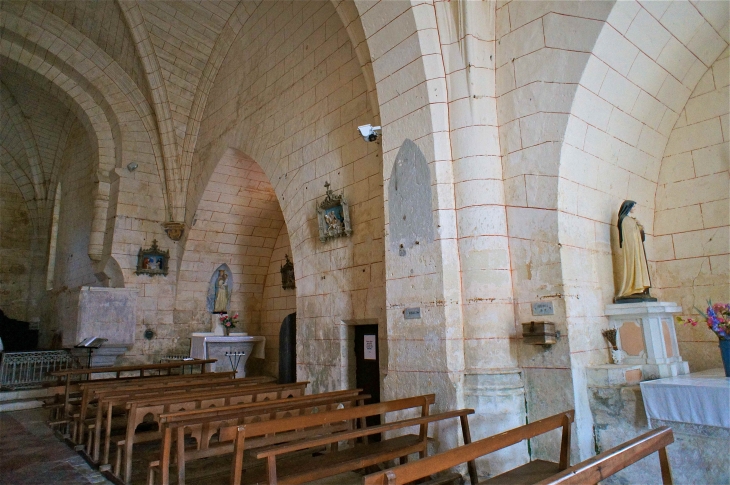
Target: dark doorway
[
  {"x": 367, "y": 367},
  {"x": 288, "y": 350}
]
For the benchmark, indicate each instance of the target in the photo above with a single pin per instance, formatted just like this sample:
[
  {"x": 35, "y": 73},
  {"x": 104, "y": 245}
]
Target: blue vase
[{"x": 725, "y": 352}]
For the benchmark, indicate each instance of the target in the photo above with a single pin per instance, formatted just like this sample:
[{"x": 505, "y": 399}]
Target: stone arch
[
  {"x": 15, "y": 118},
  {"x": 301, "y": 129},
  {"x": 97, "y": 74},
  {"x": 237, "y": 225},
  {"x": 644, "y": 61}
]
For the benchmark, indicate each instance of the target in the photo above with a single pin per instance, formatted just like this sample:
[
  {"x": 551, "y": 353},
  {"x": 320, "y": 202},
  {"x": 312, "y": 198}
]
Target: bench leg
[
  {"x": 403, "y": 460},
  {"x": 271, "y": 469},
  {"x": 181, "y": 455},
  {"x": 118, "y": 461},
  {"x": 466, "y": 434},
  {"x": 666, "y": 469}
]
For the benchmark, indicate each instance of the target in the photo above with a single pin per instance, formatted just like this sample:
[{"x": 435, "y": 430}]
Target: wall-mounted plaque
[
  {"x": 543, "y": 308},
  {"x": 152, "y": 261},
  {"x": 334, "y": 216},
  {"x": 412, "y": 313}
]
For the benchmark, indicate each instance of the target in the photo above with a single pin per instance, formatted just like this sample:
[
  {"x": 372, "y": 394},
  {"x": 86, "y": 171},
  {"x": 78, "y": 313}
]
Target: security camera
[{"x": 369, "y": 132}]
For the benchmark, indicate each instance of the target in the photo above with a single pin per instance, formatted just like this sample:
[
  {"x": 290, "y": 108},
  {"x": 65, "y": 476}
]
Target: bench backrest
[
  {"x": 205, "y": 423},
  {"x": 323, "y": 419},
  {"x": 149, "y": 380},
  {"x": 139, "y": 369},
  {"x": 138, "y": 410},
  {"x": 609, "y": 462},
  {"x": 443, "y": 461},
  {"x": 197, "y": 416},
  {"x": 176, "y": 387}
]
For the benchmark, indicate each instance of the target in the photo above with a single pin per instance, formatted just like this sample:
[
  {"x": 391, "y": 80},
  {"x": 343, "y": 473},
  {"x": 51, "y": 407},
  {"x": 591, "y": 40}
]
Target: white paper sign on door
[{"x": 370, "y": 347}]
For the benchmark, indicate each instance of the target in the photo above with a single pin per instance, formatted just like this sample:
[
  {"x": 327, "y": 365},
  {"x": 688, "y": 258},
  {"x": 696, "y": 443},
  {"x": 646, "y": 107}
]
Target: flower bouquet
[
  {"x": 228, "y": 321},
  {"x": 717, "y": 319}
]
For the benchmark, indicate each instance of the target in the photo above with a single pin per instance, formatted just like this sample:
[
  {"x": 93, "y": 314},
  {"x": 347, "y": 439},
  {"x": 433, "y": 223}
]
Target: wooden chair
[
  {"x": 313, "y": 431},
  {"x": 528, "y": 473}
]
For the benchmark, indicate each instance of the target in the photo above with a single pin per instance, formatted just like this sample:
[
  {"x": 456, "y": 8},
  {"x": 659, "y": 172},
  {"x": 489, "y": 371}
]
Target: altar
[
  {"x": 231, "y": 351},
  {"x": 697, "y": 403}
]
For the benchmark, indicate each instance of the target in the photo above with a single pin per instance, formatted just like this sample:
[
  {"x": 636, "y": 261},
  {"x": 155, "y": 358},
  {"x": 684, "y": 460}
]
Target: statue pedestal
[
  {"x": 206, "y": 345},
  {"x": 645, "y": 332}
]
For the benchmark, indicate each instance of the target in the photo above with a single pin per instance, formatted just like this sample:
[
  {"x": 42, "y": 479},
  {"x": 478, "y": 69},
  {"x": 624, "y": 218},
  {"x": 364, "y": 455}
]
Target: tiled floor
[{"x": 31, "y": 455}]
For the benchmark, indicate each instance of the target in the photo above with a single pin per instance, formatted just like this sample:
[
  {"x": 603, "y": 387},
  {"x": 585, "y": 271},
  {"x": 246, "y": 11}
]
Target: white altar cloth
[{"x": 700, "y": 398}]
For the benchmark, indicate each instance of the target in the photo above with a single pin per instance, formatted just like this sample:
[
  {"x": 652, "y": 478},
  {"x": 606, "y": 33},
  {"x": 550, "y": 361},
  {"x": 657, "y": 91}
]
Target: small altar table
[
  {"x": 699, "y": 399},
  {"x": 218, "y": 346}
]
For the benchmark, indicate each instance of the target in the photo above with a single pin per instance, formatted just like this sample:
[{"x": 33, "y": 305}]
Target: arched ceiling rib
[{"x": 12, "y": 115}]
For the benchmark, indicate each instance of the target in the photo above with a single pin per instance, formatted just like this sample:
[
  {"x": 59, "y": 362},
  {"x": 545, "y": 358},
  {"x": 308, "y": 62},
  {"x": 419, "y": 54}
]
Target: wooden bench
[
  {"x": 108, "y": 399},
  {"x": 223, "y": 421},
  {"x": 138, "y": 410},
  {"x": 67, "y": 375},
  {"x": 76, "y": 393},
  {"x": 91, "y": 390},
  {"x": 609, "y": 462},
  {"x": 310, "y": 432},
  {"x": 529, "y": 473}
]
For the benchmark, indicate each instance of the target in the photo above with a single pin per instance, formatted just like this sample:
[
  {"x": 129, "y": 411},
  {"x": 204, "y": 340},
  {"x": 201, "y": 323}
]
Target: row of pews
[{"x": 210, "y": 428}]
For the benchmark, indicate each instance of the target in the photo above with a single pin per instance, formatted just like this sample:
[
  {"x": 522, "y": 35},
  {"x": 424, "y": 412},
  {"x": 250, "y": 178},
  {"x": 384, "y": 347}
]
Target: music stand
[{"x": 91, "y": 344}]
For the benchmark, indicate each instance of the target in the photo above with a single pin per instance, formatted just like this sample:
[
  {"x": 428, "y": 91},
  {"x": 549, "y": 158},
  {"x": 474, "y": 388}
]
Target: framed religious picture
[
  {"x": 152, "y": 261},
  {"x": 287, "y": 275},
  {"x": 333, "y": 215}
]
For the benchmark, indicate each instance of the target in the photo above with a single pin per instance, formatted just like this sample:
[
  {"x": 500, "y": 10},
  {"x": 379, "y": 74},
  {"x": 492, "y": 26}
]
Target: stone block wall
[
  {"x": 692, "y": 221},
  {"x": 696, "y": 456},
  {"x": 277, "y": 303},
  {"x": 15, "y": 249}
]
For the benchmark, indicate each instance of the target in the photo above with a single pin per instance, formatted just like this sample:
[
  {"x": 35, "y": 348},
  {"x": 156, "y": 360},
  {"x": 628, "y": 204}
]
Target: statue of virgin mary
[
  {"x": 635, "y": 281},
  {"x": 219, "y": 290}
]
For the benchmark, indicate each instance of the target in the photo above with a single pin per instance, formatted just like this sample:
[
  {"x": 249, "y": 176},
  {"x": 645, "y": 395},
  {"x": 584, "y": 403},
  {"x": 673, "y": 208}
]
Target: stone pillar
[{"x": 645, "y": 332}]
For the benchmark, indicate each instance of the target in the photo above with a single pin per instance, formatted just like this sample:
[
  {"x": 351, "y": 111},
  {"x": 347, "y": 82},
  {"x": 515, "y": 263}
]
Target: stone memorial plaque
[
  {"x": 543, "y": 308},
  {"x": 412, "y": 313}
]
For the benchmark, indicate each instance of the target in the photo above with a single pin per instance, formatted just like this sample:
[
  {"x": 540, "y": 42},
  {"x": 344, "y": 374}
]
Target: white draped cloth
[{"x": 701, "y": 398}]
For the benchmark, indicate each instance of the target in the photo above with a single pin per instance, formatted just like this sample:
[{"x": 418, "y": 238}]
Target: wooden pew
[
  {"x": 137, "y": 410},
  {"x": 609, "y": 462},
  {"x": 317, "y": 432},
  {"x": 67, "y": 375},
  {"x": 224, "y": 421},
  {"x": 71, "y": 400},
  {"x": 91, "y": 390},
  {"x": 107, "y": 399},
  {"x": 529, "y": 473}
]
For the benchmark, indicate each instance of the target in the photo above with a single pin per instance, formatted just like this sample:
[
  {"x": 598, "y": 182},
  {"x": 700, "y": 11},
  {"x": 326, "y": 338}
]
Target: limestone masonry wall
[
  {"x": 692, "y": 220},
  {"x": 15, "y": 254}
]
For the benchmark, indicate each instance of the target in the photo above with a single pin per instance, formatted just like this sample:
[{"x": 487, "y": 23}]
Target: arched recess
[
  {"x": 646, "y": 60},
  {"x": 300, "y": 126},
  {"x": 239, "y": 223}
]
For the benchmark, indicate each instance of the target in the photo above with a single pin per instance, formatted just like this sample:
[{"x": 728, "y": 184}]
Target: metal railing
[{"x": 21, "y": 370}]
